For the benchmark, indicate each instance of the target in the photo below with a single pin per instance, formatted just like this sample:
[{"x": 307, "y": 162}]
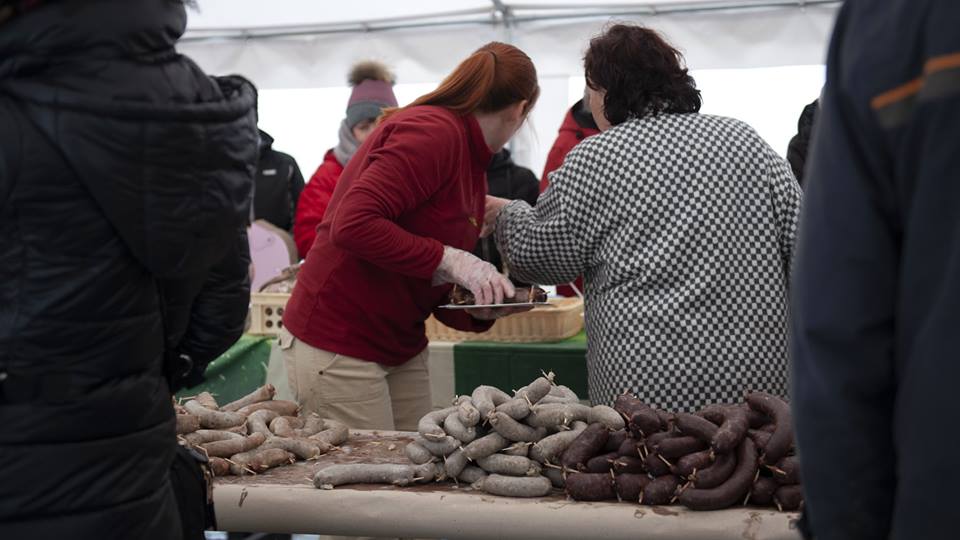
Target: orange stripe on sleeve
[
  {"x": 897, "y": 94},
  {"x": 933, "y": 65},
  {"x": 942, "y": 63}
]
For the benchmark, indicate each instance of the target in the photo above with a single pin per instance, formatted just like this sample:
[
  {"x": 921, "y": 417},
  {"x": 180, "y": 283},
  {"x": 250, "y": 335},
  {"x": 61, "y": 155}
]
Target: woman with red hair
[{"x": 405, "y": 214}]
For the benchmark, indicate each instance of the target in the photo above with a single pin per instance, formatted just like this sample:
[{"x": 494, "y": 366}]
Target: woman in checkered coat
[{"x": 682, "y": 223}]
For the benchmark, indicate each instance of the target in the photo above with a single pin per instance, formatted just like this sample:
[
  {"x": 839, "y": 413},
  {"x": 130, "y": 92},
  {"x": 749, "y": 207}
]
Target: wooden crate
[{"x": 266, "y": 313}]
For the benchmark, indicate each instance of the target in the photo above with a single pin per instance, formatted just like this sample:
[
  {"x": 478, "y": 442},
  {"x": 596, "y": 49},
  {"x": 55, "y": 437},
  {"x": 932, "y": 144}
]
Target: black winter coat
[
  {"x": 507, "y": 180},
  {"x": 278, "y": 185},
  {"x": 125, "y": 181}
]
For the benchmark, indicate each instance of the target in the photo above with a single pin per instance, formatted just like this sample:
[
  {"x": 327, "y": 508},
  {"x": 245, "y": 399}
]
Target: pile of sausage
[
  {"x": 498, "y": 443},
  {"x": 255, "y": 432},
  {"x": 722, "y": 456}
]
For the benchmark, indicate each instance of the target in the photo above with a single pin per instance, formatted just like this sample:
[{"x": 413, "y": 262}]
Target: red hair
[{"x": 493, "y": 77}]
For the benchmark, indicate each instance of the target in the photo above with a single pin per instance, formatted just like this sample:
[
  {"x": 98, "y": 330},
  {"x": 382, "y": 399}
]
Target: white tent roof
[
  {"x": 298, "y": 52},
  {"x": 292, "y": 16},
  {"x": 305, "y": 43}
]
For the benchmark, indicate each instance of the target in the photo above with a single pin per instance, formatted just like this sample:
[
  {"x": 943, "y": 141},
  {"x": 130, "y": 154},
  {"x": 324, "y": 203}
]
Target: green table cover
[
  {"x": 237, "y": 372},
  {"x": 509, "y": 366}
]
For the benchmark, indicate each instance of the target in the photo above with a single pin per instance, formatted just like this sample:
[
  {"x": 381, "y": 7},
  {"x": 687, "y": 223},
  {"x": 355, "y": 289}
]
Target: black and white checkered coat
[{"x": 683, "y": 226}]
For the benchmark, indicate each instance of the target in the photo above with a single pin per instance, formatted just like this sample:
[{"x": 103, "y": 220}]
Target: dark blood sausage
[
  {"x": 641, "y": 418},
  {"x": 615, "y": 439},
  {"x": 789, "y": 497},
  {"x": 667, "y": 420},
  {"x": 628, "y": 448},
  {"x": 660, "y": 490},
  {"x": 762, "y": 492},
  {"x": 730, "y": 492},
  {"x": 630, "y": 486},
  {"x": 463, "y": 297},
  {"x": 602, "y": 463},
  {"x": 733, "y": 422},
  {"x": 651, "y": 440},
  {"x": 756, "y": 420},
  {"x": 696, "y": 426},
  {"x": 590, "y": 487},
  {"x": 760, "y": 438},
  {"x": 677, "y": 447},
  {"x": 716, "y": 474},
  {"x": 787, "y": 471},
  {"x": 656, "y": 466},
  {"x": 628, "y": 464},
  {"x": 696, "y": 461},
  {"x": 782, "y": 438},
  {"x": 587, "y": 445}
]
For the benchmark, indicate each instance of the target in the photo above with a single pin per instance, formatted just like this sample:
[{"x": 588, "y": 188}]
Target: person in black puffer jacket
[
  {"x": 507, "y": 180},
  {"x": 125, "y": 182},
  {"x": 278, "y": 185}
]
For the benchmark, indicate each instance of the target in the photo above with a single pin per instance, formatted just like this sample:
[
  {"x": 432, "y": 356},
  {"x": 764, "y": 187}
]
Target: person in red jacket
[
  {"x": 407, "y": 210},
  {"x": 372, "y": 92},
  {"x": 577, "y": 125}
]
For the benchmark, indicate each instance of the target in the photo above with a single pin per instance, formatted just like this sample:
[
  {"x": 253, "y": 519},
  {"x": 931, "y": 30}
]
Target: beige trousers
[{"x": 361, "y": 394}]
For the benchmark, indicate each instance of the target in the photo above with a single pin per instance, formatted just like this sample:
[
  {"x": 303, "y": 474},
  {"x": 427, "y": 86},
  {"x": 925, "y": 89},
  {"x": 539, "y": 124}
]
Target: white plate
[{"x": 522, "y": 304}]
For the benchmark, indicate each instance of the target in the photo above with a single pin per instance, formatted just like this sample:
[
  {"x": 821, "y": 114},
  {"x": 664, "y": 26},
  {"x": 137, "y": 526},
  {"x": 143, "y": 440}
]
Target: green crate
[{"x": 509, "y": 366}]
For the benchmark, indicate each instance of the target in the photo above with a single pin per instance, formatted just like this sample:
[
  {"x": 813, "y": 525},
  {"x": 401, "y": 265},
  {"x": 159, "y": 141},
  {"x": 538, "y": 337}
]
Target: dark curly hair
[{"x": 642, "y": 74}]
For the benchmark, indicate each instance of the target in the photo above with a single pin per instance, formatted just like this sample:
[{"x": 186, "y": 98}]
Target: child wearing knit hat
[{"x": 372, "y": 92}]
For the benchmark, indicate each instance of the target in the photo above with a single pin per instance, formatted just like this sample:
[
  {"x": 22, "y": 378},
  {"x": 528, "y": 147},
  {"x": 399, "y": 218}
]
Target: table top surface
[{"x": 284, "y": 500}]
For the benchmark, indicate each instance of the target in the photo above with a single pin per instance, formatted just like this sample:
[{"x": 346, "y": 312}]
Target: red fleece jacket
[
  {"x": 314, "y": 201},
  {"x": 416, "y": 184}
]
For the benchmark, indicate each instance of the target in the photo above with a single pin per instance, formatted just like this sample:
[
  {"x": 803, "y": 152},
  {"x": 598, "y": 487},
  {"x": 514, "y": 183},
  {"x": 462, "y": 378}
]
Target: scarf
[{"x": 347, "y": 146}]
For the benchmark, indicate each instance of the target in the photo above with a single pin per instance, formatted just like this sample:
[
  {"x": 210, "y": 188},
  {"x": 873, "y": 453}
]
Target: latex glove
[
  {"x": 482, "y": 278},
  {"x": 490, "y": 214},
  {"x": 489, "y": 314}
]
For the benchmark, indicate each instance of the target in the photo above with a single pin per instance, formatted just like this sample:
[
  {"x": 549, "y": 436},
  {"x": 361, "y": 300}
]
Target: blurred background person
[
  {"x": 577, "y": 125},
  {"x": 799, "y": 146},
  {"x": 372, "y": 92},
  {"x": 278, "y": 185},
  {"x": 511, "y": 181}
]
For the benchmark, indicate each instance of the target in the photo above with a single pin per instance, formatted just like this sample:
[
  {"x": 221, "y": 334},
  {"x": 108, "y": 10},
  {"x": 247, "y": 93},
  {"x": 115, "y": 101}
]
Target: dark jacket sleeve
[
  {"x": 219, "y": 311},
  {"x": 800, "y": 143},
  {"x": 843, "y": 300},
  {"x": 296, "y": 188},
  {"x": 526, "y": 185}
]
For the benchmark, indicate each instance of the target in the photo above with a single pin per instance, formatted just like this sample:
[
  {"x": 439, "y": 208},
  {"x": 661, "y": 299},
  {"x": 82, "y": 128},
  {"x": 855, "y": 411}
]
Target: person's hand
[
  {"x": 482, "y": 278},
  {"x": 492, "y": 210},
  {"x": 490, "y": 314}
]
